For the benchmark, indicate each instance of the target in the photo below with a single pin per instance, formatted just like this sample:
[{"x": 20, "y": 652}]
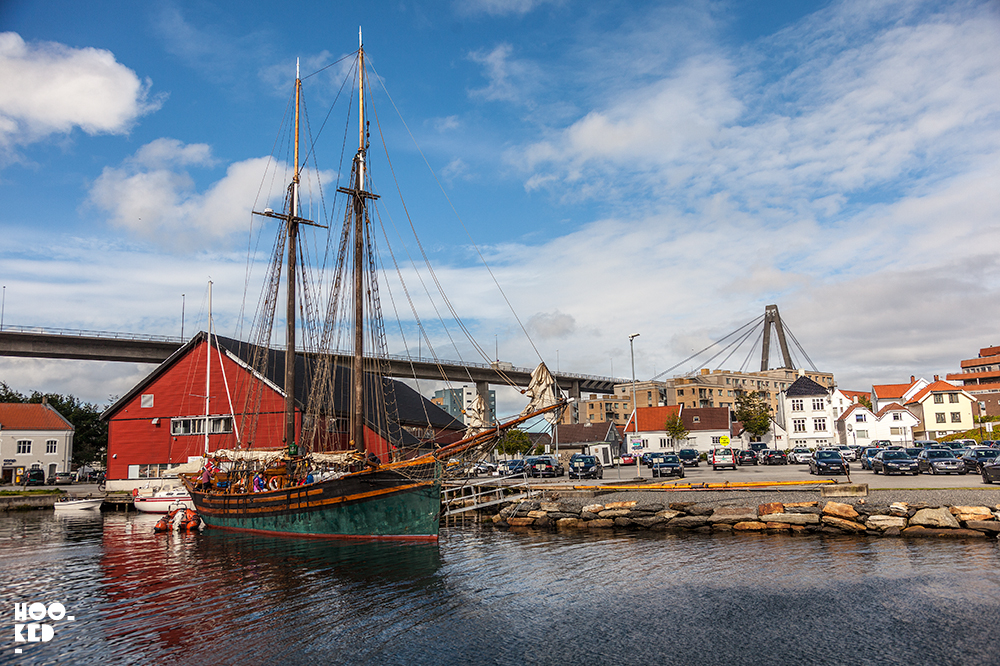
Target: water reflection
[{"x": 483, "y": 597}]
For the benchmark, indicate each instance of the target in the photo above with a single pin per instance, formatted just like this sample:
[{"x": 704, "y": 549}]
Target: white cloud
[
  {"x": 48, "y": 88},
  {"x": 499, "y": 7},
  {"x": 153, "y": 197},
  {"x": 509, "y": 79}
]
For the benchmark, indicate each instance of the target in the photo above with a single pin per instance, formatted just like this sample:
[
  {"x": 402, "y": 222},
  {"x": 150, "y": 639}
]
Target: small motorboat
[
  {"x": 163, "y": 501},
  {"x": 77, "y": 504}
]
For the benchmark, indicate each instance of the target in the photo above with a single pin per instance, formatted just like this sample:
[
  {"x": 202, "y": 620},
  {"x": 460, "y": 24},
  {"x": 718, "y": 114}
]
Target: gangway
[{"x": 465, "y": 496}]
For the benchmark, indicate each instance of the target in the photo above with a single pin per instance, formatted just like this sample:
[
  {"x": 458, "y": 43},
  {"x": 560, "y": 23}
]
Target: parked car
[
  {"x": 894, "y": 462},
  {"x": 926, "y": 443},
  {"x": 668, "y": 465},
  {"x": 940, "y": 461},
  {"x": 799, "y": 456},
  {"x": 723, "y": 458},
  {"x": 976, "y": 456},
  {"x": 542, "y": 466},
  {"x": 651, "y": 458},
  {"x": 586, "y": 467},
  {"x": 483, "y": 467},
  {"x": 746, "y": 457},
  {"x": 511, "y": 467},
  {"x": 828, "y": 461},
  {"x": 913, "y": 452},
  {"x": 689, "y": 457},
  {"x": 867, "y": 455},
  {"x": 61, "y": 479},
  {"x": 627, "y": 459},
  {"x": 847, "y": 453},
  {"x": 774, "y": 457},
  {"x": 33, "y": 477},
  {"x": 990, "y": 470}
]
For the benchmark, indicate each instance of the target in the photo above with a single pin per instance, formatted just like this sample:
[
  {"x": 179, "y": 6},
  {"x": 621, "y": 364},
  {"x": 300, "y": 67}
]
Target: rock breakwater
[{"x": 900, "y": 519}]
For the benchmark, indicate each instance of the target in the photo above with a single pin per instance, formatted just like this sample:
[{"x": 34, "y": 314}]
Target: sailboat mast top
[{"x": 292, "y": 246}]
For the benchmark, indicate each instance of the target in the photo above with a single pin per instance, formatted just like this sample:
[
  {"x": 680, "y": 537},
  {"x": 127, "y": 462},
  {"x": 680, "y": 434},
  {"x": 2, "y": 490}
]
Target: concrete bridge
[{"x": 37, "y": 342}]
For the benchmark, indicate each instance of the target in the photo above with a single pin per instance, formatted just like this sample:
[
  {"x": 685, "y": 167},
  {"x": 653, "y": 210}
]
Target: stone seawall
[{"x": 898, "y": 519}]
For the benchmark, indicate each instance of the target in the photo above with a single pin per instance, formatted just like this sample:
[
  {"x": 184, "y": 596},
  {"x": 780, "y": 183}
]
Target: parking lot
[{"x": 775, "y": 473}]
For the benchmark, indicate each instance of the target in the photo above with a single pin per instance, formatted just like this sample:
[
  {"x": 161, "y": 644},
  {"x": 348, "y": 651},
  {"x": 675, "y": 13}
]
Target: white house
[
  {"x": 806, "y": 413},
  {"x": 859, "y": 426},
  {"x": 34, "y": 436}
]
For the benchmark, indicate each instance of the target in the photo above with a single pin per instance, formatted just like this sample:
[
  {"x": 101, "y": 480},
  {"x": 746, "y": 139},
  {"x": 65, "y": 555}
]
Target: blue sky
[{"x": 662, "y": 168}]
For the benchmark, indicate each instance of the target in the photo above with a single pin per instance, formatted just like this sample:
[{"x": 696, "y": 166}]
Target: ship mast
[
  {"x": 292, "y": 221},
  {"x": 359, "y": 196}
]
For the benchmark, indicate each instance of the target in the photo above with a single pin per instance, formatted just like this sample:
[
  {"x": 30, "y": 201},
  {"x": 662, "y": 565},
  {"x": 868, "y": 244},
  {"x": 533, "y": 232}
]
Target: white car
[
  {"x": 847, "y": 453},
  {"x": 799, "y": 456}
]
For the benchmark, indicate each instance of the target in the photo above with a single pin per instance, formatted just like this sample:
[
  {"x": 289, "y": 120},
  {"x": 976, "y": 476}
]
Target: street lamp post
[{"x": 635, "y": 411}]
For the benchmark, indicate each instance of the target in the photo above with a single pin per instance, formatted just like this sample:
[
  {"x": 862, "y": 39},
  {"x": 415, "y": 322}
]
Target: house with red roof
[
  {"x": 940, "y": 408},
  {"x": 706, "y": 427},
  {"x": 859, "y": 426},
  {"x": 34, "y": 436}
]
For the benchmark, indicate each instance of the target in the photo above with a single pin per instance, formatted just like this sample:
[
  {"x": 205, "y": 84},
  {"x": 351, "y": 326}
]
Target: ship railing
[{"x": 472, "y": 495}]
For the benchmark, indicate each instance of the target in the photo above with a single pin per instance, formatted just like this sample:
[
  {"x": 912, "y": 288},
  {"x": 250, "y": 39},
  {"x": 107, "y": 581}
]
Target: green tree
[
  {"x": 675, "y": 428},
  {"x": 90, "y": 437},
  {"x": 514, "y": 442},
  {"x": 754, "y": 412},
  {"x": 866, "y": 402}
]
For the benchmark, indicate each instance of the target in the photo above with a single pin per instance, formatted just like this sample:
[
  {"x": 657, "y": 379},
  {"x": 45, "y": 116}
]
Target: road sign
[{"x": 724, "y": 440}]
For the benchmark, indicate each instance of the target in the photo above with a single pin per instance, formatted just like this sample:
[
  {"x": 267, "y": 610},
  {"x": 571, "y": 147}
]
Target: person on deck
[{"x": 259, "y": 484}]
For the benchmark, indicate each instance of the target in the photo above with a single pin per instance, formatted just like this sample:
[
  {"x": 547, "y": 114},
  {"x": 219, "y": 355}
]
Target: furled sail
[
  {"x": 477, "y": 416},
  {"x": 542, "y": 393}
]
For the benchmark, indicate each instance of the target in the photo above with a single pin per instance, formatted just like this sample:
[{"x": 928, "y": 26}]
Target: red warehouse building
[{"x": 165, "y": 420}]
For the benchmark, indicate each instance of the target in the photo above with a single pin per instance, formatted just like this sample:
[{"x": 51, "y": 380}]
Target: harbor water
[{"x": 480, "y": 596}]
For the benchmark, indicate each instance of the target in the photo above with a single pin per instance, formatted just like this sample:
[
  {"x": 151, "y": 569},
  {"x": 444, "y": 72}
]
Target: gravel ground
[{"x": 875, "y": 498}]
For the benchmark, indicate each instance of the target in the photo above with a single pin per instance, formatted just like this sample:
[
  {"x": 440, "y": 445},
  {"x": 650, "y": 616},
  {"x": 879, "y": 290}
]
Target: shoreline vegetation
[{"x": 932, "y": 514}]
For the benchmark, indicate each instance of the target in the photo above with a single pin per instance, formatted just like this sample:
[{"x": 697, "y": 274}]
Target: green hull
[{"x": 378, "y": 506}]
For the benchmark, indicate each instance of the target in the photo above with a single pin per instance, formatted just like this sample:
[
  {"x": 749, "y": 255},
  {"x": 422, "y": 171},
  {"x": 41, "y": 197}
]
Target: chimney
[
  {"x": 912, "y": 379},
  {"x": 936, "y": 378}
]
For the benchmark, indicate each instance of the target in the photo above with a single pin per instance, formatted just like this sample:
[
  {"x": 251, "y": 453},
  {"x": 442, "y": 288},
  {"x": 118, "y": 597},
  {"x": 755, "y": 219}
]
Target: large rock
[
  {"x": 649, "y": 521},
  {"x": 622, "y": 521},
  {"x": 840, "y": 510},
  {"x": 700, "y": 510},
  {"x": 919, "y": 531},
  {"x": 689, "y": 522},
  {"x": 789, "y": 505},
  {"x": 537, "y": 514},
  {"x": 668, "y": 514},
  {"x": 593, "y": 508},
  {"x": 843, "y": 524},
  {"x": 940, "y": 517},
  {"x": 621, "y": 505},
  {"x": 991, "y": 526},
  {"x": 600, "y": 523},
  {"x": 550, "y": 506},
  {"x": 613, "y": 513},
  {"x": 684, "y": 506},
  {"x": 899, "y": 509},
  {"x": 567, "y": 523},
  {"x": 979, "y": 510},
  {"x": 781, "y": 527},
  {"x": 885, "y": 522},
  {"x": 793, "y": 518},
  {"x": 749, "y": 526},
  {"x": 733, "y": 514},
  {"x": 770, "y": 507},
  {"x": 521, "y": 522}
]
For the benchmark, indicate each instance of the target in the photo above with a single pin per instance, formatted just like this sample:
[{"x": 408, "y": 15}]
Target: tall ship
[{"x": 325, "y": 443}]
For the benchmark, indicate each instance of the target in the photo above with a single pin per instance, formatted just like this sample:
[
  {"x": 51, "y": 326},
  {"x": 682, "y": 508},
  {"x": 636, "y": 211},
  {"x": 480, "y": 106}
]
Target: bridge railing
[
  {"x": 83, "y": 333},
  {"x": 139, "y": 337}
]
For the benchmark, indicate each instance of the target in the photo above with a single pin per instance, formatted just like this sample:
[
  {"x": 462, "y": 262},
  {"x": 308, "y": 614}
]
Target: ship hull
[{"x": 379, "y": 505}]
